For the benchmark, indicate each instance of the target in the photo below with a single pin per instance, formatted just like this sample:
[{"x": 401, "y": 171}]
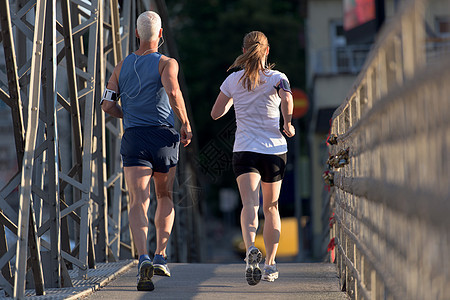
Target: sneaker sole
[
  {"x": 253, "y": 273},
  {"x": 145, "y": 281},
  {"x": 161, "y": 271}
]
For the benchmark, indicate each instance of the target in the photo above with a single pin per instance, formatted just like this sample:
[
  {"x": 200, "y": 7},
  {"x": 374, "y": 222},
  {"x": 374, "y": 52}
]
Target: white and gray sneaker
[
  {"x": 270, "y": 273},
  {"x": 252, "y": 270}
]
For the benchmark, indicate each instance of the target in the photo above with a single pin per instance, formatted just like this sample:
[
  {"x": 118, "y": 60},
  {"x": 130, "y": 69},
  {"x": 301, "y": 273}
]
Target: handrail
[{"x": 389, "y": 167}]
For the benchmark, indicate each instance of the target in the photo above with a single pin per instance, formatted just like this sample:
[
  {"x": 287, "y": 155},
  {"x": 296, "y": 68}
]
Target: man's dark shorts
[
  {"x": 271, "y": 167},
  {"x": 155, "y": 147}
]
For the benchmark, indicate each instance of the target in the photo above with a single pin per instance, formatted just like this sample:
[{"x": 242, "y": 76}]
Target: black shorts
[
  {"x": 271, "y": 167},
  {"x": 154, "y": 146}
]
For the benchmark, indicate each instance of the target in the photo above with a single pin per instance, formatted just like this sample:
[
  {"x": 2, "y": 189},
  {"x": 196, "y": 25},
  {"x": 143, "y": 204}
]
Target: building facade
[{"x": 332, "y": 67}]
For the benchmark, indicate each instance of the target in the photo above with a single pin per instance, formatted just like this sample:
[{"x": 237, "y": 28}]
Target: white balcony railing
[
  {"x": 347, "y": 59},
  {"x": 350, "y": 59}
]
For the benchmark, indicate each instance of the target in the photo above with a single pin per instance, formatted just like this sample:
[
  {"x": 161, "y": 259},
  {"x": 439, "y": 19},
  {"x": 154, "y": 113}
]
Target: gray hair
[{"x": 148, "y": 25}]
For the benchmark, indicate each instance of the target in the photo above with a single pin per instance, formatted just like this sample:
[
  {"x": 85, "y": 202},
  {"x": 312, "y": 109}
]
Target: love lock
[
  {"x": 343, "y": 153},
  {"x": 333, "y": 161},
  {"x": 343, "y": 158},
  {"x": 332, "y": 139},
  {"x": 340, "y": 159},
  {"x": 328, "y": 177},
  {"x": 342, "y": 162}
]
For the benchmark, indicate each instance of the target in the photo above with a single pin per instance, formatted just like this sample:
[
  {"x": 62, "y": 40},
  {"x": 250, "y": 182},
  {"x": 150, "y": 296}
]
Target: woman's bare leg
[
  {"x": 272, "y": 223},
  {"x": 248, "y": 184}
]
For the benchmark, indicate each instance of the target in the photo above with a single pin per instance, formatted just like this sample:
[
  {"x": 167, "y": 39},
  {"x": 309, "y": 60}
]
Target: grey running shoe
[
  {"x": 160, "y": 265},
  {"x": 145, "y": 276},
  {"x": 270, "y": 273},
  {"x": 252, "y": 270}
]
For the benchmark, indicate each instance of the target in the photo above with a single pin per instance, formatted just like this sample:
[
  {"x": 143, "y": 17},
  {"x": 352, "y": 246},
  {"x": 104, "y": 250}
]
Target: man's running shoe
[
  {"x": 270, "y": 273},
  {"x": 145, "y": 276},
  {"x": 252, "y": 270},
  {"x": 160, "y": 265}
]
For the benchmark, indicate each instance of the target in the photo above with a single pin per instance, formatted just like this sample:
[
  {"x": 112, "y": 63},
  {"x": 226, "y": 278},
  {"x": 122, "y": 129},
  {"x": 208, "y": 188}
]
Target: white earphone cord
[{"x": 137, "y": 74}]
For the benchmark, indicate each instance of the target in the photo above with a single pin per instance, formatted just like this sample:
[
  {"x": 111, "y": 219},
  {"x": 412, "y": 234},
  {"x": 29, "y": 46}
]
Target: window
[
  {"x": 438, "y": 39},
  {"x": 345, "y": 58},
  {"x": 443, "y": 26}
]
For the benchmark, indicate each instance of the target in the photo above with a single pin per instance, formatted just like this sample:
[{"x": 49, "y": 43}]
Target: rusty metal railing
[{"x": 390, "y": 167}]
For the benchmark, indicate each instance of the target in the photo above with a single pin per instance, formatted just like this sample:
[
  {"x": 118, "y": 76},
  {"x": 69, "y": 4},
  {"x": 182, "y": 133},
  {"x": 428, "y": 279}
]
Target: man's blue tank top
[{"x": 144, "y": 100}]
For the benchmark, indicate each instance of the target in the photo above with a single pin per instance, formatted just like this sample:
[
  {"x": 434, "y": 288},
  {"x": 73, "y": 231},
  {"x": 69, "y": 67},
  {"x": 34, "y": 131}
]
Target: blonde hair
[
  {"x": 253, "y": 59},
  {"x": 148, "y": 25}
]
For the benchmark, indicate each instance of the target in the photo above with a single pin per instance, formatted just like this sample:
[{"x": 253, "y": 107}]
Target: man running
[{"x": 147, "y": 84}]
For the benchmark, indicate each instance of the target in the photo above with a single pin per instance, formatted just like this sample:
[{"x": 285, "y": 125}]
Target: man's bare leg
[
  {"x": 164, "y": 217},
  {"x": 138, "y": 184}
]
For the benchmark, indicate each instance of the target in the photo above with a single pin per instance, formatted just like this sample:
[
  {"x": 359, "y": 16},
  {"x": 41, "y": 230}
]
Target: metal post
[
  {"x": 52, "y": 144},
  {"x": 30, "y": 140},
  {"x": 13, "y": 100},
  {"x": 73, "y": 109},
  {"x": 87, "y": 135},
  {"x": 99, "y": 156},
  {"x": 115, "y": 134}
]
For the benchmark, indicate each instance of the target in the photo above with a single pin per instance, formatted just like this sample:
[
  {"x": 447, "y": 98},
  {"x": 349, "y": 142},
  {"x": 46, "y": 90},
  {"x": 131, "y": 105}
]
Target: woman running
[{"x": 260, "y": 150}]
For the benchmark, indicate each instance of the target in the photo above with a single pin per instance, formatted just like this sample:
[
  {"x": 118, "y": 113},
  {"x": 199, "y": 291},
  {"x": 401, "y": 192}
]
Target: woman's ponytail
[{"x": 253, "y": 59}]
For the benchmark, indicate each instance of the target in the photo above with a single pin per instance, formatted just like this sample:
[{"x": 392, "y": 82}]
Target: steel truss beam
[
  {"x": 73, "y": 205},
  {"x": 46, "y": 150},
  {"x": 30, "y": 143},
  {"x": 114, "y": 129},
  {"x": 13, "y": 100}
]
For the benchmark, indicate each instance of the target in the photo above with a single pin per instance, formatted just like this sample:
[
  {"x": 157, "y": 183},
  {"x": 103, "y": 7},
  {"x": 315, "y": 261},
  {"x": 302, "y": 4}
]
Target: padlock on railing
[
  {"x": 328, "y": 177},
  {"x": 340, "y": 159},
  {"x": 332, "y": 161},
  {"x": 332, "y": 220},
  {"x": 332, "y": 139},
  {"x": 343, "y": 158}
]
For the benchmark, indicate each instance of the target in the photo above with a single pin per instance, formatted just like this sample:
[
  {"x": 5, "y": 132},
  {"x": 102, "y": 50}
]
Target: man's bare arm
[
  {"x": 112, "y": 107},
  {"x": 169, "y": 79}
]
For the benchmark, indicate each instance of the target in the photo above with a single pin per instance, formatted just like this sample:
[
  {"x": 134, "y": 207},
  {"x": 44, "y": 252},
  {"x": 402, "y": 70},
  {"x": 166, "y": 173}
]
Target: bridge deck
[{"x": 205, "y": 281}]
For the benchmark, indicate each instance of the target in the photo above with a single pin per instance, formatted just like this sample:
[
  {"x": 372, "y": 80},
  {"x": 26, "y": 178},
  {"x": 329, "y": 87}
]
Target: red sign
[{"x": 301, "y": 103}]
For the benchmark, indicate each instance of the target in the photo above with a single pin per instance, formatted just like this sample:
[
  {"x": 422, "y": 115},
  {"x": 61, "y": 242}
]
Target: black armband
[{"x": 284, "y": 85}]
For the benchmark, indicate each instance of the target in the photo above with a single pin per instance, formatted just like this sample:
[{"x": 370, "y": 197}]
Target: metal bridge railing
[{"x": 390, "y": 168}]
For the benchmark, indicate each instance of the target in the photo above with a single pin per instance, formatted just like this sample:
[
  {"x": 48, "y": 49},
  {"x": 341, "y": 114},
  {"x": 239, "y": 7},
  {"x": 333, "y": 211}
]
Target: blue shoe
[
  {"x": 145, "y": 276},
  {"x": 252, "y": 270},
  {"x": 160, "y": 265}
]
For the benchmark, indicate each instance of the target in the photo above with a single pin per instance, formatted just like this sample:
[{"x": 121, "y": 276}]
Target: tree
[{"x": 209, "y": 35}]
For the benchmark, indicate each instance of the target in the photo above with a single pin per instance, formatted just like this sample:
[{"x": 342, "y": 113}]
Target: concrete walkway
[
  {"x": 226, "y": 281},
  {"x": 118, "y": 280}
]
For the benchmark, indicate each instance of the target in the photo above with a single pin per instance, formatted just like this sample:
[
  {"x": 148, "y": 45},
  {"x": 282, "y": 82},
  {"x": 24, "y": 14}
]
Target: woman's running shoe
[{"x": 270, "y": 273}]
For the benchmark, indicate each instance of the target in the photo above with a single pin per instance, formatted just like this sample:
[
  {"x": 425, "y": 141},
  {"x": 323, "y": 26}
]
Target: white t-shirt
[{"x": 257, "y": 113}]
